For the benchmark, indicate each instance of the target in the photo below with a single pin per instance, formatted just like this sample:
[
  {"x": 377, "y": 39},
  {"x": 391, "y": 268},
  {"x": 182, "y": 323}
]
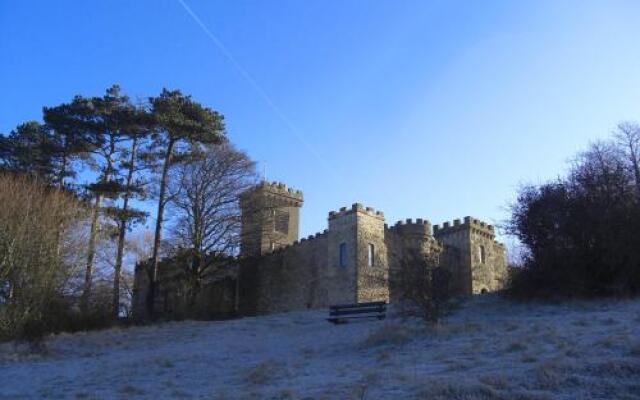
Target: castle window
[
  {"x": 343, "y": 254},
  {"x": 371, "y": 254},
  {"x": 482, "y": 254},
  {"x": 281, "y": 221}
]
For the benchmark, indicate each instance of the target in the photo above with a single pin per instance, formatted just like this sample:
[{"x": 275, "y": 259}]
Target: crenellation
[
  {"x": 276, "y": 188},
  {"x": 356, "y": 208},
  {"x": 475, "y": 225},
  {"x": 421, "y": 227}
]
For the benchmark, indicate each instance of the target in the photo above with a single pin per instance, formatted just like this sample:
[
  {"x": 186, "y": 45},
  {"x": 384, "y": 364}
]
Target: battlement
[
  {"x": 275, "y": 188},
  {"x": 409, "y": 227},
  {"x": 308, "y": 239},
  {"x": 468, "y": 223},
  {"x": 355, "y": 208}
]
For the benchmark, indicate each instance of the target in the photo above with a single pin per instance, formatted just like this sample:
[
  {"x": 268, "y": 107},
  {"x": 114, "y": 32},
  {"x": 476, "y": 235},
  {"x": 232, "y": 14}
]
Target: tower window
[
  {"x": 371, "y": 254},
  {"x": 482, "y": 254},
  {"x": 343, "y": 254}
]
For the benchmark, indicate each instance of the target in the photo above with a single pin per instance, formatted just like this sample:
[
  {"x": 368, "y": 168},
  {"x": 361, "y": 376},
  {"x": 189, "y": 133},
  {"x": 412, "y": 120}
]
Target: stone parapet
[
  {"x": 356, "y": 208},
  {"x": 302, "y": 241},
  {"x": 420, "y": 227},
  {"x": 276, "y": 188},
  {"x": 470, "y": 223}
]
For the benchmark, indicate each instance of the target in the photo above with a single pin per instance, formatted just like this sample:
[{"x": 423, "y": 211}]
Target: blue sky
[{"x": 433, "y": 109}]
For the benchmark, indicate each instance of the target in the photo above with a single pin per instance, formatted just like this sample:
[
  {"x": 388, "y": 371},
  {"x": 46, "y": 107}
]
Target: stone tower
[
  {"x": 270, "y": 218},
  {"x": 482, "y": 266},
  {"x": 406, "y": 240},
  {"x": 357, "y": 255}
]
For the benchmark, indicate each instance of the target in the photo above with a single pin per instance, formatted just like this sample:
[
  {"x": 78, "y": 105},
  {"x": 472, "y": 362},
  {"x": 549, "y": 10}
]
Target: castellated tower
[
  {"x": 407, "y": 239},
  {"x": 482, "y": 265},
  {"x": 357, "y": 268},
  {"x": 270, "y": 218}
]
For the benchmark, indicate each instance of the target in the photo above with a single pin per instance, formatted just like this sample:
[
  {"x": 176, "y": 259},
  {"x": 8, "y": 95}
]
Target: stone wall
[
  {"x": 215, "y": 299},
  {"x": 287, "y": 279},
  {"x": 482, "y": 260},
  {"x": 490, "y": 274},
  {"x": 341, "y": 279},
  {"x": 372, "y": 266}
]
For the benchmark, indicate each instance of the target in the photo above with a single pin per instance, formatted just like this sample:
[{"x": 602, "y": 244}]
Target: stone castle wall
[
  {"x": 287, "y": 279},
  {"x": 482, "y": 266},
  {"x": 372, "y": 267},
  {"x": 276, "y": 272}
]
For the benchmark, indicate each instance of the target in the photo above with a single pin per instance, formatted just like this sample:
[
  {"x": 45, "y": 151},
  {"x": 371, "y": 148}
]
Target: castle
[{"x": 354, "y": 260}]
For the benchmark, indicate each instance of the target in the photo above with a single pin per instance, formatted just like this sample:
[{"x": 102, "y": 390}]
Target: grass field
[{"x": 488, "y": 349}]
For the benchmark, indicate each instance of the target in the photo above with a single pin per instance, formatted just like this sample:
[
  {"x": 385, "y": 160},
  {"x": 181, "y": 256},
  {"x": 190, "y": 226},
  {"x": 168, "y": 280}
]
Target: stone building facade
[{"x": 355, "y": 260}]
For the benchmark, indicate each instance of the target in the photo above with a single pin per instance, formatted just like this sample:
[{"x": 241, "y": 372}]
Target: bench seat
[{"x": 342, "y": 313}]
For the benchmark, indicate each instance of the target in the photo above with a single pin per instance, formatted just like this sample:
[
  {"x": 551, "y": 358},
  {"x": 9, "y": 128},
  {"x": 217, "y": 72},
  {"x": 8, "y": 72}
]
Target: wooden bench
[{"x": 342, "y": 313}]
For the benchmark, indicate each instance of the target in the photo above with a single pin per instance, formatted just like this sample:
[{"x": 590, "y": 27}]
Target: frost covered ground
[{"x": 488, "y": 349}]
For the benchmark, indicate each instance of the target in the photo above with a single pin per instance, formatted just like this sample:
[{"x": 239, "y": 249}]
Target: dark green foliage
[
  {"x": 30, "y": 149},
  {"x": 68, "y": 124},
  {"x": 179, "y": 117},
  {"x": 581, "y": 232}
]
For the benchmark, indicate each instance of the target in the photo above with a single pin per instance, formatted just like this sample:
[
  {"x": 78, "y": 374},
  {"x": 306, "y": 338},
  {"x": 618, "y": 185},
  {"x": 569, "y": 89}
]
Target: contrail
[{"x": 254, "y": 84}]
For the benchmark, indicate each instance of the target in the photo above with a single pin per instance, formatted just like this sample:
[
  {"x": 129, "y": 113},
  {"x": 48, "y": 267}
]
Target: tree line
[
  {"x": 111, "y": 160},
  {"x": 581, "y": 231}
]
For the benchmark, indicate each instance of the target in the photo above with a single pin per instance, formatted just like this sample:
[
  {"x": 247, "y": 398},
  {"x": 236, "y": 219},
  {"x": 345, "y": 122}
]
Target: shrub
[
  {"x": 41, "y": 245},
  {"x": 424, "y": 288}
]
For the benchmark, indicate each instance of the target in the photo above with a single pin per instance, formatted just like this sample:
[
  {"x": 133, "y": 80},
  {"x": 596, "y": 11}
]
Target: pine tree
[
  {"x": 183, "y": 125},
  {"x": 131, "y": 164}
]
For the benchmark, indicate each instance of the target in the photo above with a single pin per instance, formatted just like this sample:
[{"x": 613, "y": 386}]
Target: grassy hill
[{"x": 488, "y": 349}]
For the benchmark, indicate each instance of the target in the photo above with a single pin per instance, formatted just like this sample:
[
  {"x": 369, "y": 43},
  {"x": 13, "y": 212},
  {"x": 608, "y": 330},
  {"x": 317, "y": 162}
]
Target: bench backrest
[{"x": 377, "y": 307}]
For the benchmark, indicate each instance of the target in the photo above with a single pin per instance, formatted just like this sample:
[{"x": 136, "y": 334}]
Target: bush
[
  {"x": 424, "y": 287},
  {"x": 41, "y": 247}
]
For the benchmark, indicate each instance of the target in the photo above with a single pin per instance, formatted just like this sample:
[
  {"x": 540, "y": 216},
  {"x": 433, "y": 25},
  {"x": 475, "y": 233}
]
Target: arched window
[{"x": 371, "y": 254}]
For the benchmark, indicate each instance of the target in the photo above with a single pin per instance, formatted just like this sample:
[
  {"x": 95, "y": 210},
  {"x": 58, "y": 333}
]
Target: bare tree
[
  {"x": 204, "y": 197},
  {"x": 37, "y": 268},
  {"x": 424, "y": 287},
  {"x": 628, "y": 138}
]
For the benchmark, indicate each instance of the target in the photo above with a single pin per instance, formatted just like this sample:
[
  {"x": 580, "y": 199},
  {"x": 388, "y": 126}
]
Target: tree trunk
[
  {"x": 122, "y": 231},
  {"x": 91, "y": 250},
  {"x": 156, "y": 241}
]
